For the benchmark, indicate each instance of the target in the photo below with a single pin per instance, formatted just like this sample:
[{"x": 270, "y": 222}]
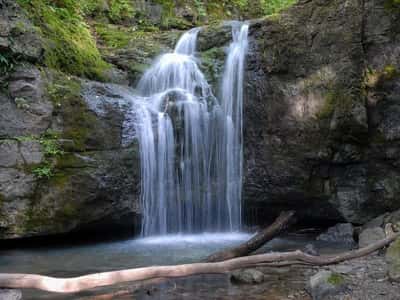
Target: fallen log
[
  {"x": 77, "y": 284},
  {"x": 281, "y": 223}
]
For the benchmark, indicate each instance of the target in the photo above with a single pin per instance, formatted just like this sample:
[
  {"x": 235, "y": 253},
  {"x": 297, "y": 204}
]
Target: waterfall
[{"x": 191, "y": 141}]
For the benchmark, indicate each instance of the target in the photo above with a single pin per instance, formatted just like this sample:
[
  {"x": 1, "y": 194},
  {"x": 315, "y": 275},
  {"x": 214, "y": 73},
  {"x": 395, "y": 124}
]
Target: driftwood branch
[
  {"x": 77, "y": 284},
  {"x": 281, "y": 223}
]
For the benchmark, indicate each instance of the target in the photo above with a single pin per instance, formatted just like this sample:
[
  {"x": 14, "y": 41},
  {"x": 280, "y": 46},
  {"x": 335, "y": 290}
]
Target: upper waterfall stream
[{"x": 191, "y": 141}]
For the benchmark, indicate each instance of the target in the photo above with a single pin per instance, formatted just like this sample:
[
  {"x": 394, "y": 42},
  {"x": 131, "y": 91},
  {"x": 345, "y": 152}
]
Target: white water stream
[{"x": 191, "y": 141}]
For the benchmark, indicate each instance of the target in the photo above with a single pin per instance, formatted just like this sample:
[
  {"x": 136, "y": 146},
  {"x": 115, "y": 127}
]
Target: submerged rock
[
  {"x": 310, "y": 249},
  {"x": 8, "y": 294},
  {"x": 247, "y": 276}
]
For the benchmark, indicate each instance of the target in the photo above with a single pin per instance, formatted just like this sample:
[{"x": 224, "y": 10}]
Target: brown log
[
  {"x": 77, "y": 284},
  {"x": 280, "y": 224}
]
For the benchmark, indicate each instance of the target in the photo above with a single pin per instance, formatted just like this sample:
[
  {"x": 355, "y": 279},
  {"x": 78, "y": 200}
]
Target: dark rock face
[
  {"x": 342, "y": 234},
  {"x": 63, "y": 162},
  {"x": 321, "y": 112}
]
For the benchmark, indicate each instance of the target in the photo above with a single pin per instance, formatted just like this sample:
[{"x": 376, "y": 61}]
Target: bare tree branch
[
  {"x": 281, "y": 223},
  {"x": 77, "y": 284}
]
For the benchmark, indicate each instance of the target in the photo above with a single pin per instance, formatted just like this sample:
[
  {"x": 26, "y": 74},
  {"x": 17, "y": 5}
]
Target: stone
[
  {"x": 310, "y": 249},
  {"x": 27, "y": 111},
  {"x": 8, "y": 294},
  {"x": 370, "y": 235},
  {"x": 393, "y": 259},
  {"x": 325, "y": 284},
  {"x": 306, "y": 142},
  {"x": 9, "y": 154},
  {"x": 17, "y": 33},
  {"x": 342, "y": 234},
  {"x": 247, "y": 276}
]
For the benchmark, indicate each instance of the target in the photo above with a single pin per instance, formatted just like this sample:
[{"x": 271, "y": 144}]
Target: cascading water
[{"x": 190, "y": 141}]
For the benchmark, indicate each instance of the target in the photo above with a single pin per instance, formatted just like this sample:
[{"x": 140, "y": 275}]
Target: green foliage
[
  {"x": 44, "y": 171},
  {"x": 271, "y": 7},
  {"x": 7, "y": 63},
  {"x": 120, "y": 10},
  {"x": 51, "y": 148},
  {"x": 50, "y": 145},
  {"x": 115, "y": 36},
  {"x": 70, "y": 46}
]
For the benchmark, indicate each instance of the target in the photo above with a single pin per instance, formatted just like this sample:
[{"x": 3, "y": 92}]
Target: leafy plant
[
  {"x": 120, "y": 10},
  {"x": 51, "y": 149},
  {"x": 275, "y": 6},
  {"x": 43, "y": 171},
  {"x": 7, "y": 63}
]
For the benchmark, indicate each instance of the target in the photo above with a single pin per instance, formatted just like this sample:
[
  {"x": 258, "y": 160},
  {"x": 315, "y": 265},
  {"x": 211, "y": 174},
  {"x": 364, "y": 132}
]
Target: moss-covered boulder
[
  {"x": 393, "y": 260},
  {"x": 75, "y": 173}
]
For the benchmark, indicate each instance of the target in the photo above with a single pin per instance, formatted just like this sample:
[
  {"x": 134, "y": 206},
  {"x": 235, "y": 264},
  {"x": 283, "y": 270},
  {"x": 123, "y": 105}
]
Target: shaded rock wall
[{"x": 322, "y": 111}]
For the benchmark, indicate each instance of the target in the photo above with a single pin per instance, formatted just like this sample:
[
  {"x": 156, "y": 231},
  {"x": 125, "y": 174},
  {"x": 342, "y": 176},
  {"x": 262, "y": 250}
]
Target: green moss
[
  {"x": 275, "y": 6},
  {"x": 43, "y": 216},
  {"x": 328, "y": 108},
  {"x": 78, "y": 121},
  {"x": 67, "y": 212},
  {"x": 69, "y": 45},
  {"x": 113, "y": 36},
  {"x": 212, "y": 63},
  {"x": 336, "y": 279},
  {"x": 377, "y": 78},
  {"x": 120, "y": 10},
  {"x": 334, "y": 99},
  {"x": 392, "y": 5},
  {"x": 390, "y": 72}
]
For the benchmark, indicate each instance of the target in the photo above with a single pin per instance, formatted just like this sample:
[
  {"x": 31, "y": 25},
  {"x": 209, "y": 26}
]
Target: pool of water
[{"x": 75, "y": 260}]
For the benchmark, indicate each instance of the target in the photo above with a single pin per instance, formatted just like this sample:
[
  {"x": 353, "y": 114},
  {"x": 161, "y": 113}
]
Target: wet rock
[
  {"x": 310, "y": 249},
  {"x": 27, "y": 111},
  {"x": 7, "y": 294},
  {"x": 370, "y": 235},
  {"x": 393, "y": 259},
  {"x": 247, "y": 276},
  {"x": 325, "y": 284},
  {"x": 17, "y": 34},
  {"x": 382, "y": 220},
  {"x": 341, "y": 233}
]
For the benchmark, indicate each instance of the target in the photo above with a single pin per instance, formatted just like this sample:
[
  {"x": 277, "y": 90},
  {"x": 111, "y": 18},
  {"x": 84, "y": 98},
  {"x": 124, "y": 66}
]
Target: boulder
[
  {"x": 342, "y": 234},
  {"x": 311, "y": 249},
  {"x": 393, "y": 259},
  {"x": 247, "y": 276},
  {"x": 325, "y": 284},
  {"x": 370, "y": 235}
]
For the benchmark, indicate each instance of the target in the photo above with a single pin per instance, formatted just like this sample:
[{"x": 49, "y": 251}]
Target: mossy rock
[
  {"x": 393, "y": 260},
  {"x": 212, "y": 64},
  {"x": 77, "y": 121},
  {"x": 70, "y": 46}
]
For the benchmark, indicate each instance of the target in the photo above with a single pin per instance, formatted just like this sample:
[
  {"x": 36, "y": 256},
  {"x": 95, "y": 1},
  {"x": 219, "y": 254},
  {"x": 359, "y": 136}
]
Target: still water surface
[{"x": 69, "y": 261}]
